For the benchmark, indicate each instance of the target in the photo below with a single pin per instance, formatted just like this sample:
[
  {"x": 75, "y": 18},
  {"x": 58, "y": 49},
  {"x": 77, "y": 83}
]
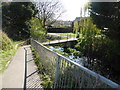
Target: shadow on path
[{"x": 32, "y": 78}]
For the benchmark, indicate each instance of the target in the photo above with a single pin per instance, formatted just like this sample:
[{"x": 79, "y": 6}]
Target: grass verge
[
  {"x": 72, "y": 35},
  {"x": 6, "y": 55}
]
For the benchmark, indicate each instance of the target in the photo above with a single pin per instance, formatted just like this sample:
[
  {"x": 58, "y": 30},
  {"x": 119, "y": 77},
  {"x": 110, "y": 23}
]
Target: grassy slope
[
  {"x": 7, "y": 52},
  {"x": 6, "y": 56}
]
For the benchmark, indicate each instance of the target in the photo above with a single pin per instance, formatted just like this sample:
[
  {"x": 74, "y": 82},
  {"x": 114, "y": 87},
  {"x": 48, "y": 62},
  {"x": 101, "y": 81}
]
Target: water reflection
[{"x": 59, "y": 49}]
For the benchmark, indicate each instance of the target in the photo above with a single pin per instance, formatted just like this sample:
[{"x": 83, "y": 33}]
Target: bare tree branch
[{"x": 49, "y": 12}]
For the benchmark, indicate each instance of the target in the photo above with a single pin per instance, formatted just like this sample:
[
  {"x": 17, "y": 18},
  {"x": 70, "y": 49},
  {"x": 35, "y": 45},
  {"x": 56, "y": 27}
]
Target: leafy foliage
[
  {"x": 7, "y": 43},
  {"x": 101, "y": 51},
  {"x": 39, "y": 33},
  {"x": 8, "y": 50},
  {"x": 89, "y": 33},
  {"x": 76, "y": 26},
  {"x": 107, "y": 15},
  {"x": 16, "y": 16}
]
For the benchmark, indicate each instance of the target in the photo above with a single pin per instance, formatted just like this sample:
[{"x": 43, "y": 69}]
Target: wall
[{"x": 60, "y": 30}]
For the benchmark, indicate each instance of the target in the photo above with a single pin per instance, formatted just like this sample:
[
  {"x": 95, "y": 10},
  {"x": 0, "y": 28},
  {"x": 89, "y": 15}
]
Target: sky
[{"x": 72, "y": 8}]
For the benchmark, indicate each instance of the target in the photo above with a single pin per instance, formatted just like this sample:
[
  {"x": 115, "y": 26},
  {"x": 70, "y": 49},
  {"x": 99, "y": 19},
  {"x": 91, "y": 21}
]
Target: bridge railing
[{"x": 68, "y": 74}]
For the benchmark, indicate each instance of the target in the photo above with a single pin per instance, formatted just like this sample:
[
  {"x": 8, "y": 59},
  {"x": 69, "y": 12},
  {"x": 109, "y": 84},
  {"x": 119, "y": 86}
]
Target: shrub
[
  {"x": 77, "y": 53},
  {"x": 7, "y": 43}
]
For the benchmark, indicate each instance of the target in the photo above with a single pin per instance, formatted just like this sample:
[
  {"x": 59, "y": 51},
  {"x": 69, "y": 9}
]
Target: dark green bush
[{"x": 7, "y": 43}]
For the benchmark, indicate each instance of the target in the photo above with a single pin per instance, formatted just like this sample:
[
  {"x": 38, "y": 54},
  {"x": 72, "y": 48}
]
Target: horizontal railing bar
[{"x": 105, "y": 80}]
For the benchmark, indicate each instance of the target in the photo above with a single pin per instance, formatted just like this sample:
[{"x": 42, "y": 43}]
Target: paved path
[
  {"x": 59, "y": 41},
  {"x": 14, "y": 75}
]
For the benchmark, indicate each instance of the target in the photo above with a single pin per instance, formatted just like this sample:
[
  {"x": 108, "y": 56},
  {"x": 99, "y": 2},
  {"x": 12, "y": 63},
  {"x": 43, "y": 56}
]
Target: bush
[
  {"x": 71, "y": 50},
  {"x": 77, "y": 53},
  {"x": 39, "y": 35},
  {"x": 7, "y": 43},
  {"x": 102, "y": 52},
  {"x": 7, "y": 51}
]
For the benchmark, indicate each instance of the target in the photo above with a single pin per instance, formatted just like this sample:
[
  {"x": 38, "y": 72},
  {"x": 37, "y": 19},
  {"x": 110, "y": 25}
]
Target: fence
[{"x": 68, "y": 74}]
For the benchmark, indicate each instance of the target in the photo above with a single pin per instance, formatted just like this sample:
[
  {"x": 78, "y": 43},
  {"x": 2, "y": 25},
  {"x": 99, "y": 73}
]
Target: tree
[
  {"x": 107, "y": 15},
  {"x": 76, "y": 27},
  {"x": 49, "y": 12},
  {"x": 16, "y": 17},
  {"x": 37, "y": 31}
]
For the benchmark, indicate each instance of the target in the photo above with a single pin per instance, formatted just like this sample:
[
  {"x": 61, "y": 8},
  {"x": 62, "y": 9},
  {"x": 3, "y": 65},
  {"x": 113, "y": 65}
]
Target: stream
[{"x": 80, "y": 60}]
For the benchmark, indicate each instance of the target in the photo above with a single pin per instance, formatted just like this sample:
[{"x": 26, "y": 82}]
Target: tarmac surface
[{"x": 22, "y": 72}]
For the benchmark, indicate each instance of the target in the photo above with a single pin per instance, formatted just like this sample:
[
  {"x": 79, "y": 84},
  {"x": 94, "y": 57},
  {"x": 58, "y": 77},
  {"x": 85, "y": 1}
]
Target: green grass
[
  {"x": 6, "y": 55},
  {"x": 71, "y": 35},
  {"x": 65, "y": 33},
  {"x": 7, "y": 51},
  {"x": 62, "y": 53}
]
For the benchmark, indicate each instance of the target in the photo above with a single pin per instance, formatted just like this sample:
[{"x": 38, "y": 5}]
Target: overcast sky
[{"x": 72, "y": 8}]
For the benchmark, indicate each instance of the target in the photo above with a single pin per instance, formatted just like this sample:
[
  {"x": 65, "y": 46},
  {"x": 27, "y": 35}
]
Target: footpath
[{"x": 22, "y": 72}]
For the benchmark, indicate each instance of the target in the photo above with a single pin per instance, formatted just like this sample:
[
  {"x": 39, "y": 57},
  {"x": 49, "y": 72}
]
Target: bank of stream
[
  {"x": 78, "y": 57},
  {"x": 82, "y": 60}
]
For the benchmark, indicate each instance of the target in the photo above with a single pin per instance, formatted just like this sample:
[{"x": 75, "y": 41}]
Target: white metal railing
[{"x": 69, "y": 74}]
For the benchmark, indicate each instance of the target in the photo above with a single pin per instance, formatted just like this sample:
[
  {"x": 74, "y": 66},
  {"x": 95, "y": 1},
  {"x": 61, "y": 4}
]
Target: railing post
[
  {"x": 25, "y": 76},
  {"x": 57, "y": 72}
]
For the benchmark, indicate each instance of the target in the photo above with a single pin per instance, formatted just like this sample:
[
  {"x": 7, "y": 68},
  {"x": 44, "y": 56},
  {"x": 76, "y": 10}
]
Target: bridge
[
  {"x": 63, "y": 72},
  {"x": 60, "y": 41}
]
